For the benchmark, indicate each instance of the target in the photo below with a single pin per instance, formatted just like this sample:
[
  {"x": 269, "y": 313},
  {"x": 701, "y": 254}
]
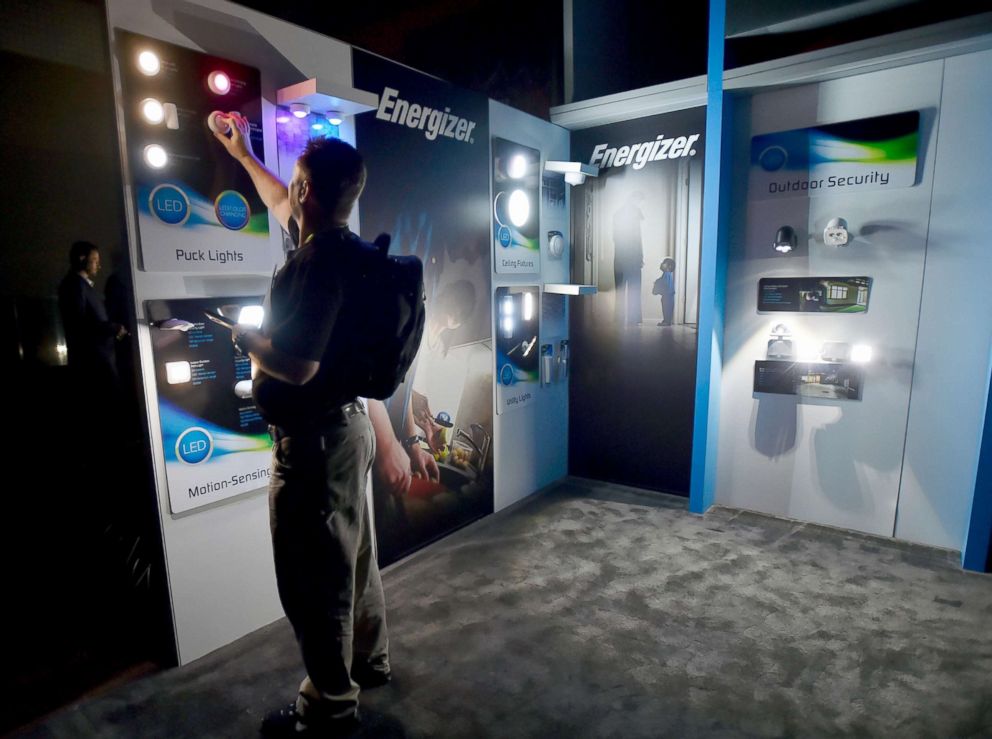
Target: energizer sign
[
  {"x": 431, "y": 121},
  {"x": 646, "y": 151}
]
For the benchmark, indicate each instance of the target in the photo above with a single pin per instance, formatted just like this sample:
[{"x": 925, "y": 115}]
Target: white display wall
[{"x": 840, "y": 462}]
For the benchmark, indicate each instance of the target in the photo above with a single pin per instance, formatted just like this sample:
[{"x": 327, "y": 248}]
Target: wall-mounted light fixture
[
  {"x": 836, "y": 233},
  {"x": 785, "y": 240}
]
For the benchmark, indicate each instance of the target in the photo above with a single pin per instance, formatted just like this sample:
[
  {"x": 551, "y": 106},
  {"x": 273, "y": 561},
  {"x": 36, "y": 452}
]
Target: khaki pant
[{"x": 326, "y": 569}]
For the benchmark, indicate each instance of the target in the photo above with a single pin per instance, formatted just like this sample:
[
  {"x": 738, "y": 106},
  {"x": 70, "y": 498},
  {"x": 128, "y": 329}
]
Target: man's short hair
[
  {"x": 335, "y": 170},
  {"x": 79, "y": 253}
]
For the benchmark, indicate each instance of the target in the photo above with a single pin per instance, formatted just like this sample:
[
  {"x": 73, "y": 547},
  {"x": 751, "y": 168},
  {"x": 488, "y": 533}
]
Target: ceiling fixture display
[
  {"x": 335, "y": 118},
  {"x": 299, "y": 110}
]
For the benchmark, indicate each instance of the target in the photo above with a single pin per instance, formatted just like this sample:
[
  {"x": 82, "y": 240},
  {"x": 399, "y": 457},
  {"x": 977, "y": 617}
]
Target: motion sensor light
[
  {"x": 152, "y": 110},
  {"x": 155, "y": 156},
  {"x": 176, "y": 373},
  {"x": 300, "y": 110},
  {"x": 519, "y": 208},
  {"x": 517, "y": 167},
  {"x": 219, "y": 83},
  {"x": 251, "y": 315},
  {"x": 148, "y": 63},
  {"x": 335, "y": 118}
]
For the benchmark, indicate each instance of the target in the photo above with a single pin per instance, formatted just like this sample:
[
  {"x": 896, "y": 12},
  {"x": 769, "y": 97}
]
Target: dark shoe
[
  {"x": 369, "y": 677},
  {"x": 286, "y": 722}
]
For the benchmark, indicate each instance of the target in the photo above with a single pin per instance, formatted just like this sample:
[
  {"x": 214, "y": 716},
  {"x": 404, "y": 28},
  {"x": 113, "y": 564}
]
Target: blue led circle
[
  {"x": 506, "y": 375},
  {"x": 773, "y": 158},
  {"x": 503, "y": 235},
  {"x": 194, "y": 445},
  {"x": 232, "y": 210},
  {"x": 169, "y": 204}
]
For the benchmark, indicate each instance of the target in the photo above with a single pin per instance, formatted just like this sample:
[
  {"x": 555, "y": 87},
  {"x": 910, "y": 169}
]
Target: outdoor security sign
[{"x": 867, "y": 154}]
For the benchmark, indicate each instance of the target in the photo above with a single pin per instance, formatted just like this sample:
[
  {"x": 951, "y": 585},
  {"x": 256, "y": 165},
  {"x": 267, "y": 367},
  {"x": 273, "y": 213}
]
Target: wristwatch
[{"x": 411, "y": 441}]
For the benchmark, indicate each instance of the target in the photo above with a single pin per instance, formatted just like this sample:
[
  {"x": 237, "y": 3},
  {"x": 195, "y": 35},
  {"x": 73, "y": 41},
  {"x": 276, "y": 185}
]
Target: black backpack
[{"x": 393, "y": 320}]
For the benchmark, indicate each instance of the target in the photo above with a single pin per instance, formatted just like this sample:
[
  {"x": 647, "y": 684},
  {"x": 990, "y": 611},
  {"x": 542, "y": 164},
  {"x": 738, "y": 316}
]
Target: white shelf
[
  {"x": 566, "y": 289},
  {"x": 323, "y": 97}
]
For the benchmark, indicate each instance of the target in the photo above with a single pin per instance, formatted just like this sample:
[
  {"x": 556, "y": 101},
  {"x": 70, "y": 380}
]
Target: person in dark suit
[{"x": 89, "y": 333}]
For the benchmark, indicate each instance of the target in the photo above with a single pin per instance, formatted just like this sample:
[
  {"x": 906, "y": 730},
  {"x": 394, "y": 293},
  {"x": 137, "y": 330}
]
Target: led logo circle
[
  {"x": 232, "y": 210},
  {"x": 169, "y": 204},
  {"x": 194, "y": 446}
]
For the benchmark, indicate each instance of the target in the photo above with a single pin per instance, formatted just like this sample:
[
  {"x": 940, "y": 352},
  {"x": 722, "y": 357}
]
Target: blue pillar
[
  {"x": 976, "y": 547},
  {"x": 713, "y": 271}
]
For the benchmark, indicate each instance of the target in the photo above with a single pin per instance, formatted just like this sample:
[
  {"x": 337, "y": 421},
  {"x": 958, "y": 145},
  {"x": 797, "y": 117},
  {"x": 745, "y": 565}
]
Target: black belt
[{"x": 337, "y": 416}]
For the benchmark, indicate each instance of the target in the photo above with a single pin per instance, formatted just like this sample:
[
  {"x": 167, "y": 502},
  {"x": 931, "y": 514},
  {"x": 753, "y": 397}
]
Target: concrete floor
[{"x": 595, "y": 611}]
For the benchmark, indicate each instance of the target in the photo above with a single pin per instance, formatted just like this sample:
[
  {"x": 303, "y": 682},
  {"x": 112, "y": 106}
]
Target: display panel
[
  {"x": 215, "y": 442},
  {"x": 636, "y": 237},
  {"x": 196, "y": 208},
  {"x": 814, "y": 294},
  {"x": 427, "y": 152},
  {"x": 517, "y": 355},
  {"x": 516, "y": 208},
  {"x": 827, "y": 380},
  {"x": 867, "y": 154}
]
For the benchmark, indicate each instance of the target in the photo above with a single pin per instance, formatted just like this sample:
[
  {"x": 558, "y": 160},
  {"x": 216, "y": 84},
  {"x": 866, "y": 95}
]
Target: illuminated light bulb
[
  {"x": 251, "y": 315},
  {"x": 335, "y": 118},
  {"x": 219, "y": 82},
  {"x": 282, "y": 118},
  {"x": 507, "y": 326},
  {"x": 519, "y": 208},
  {"x": 177, "y": 373},
  {"x": 861, "y": 353},
  {"x": 506, "y": 308},
  {"x": 149, "y": 63},
  {"x": 155, "y": 156},
  {"x": 517, "y": 167},
  {"x": 528, "y": 306},
  {"x": 300, "y": 110},
  {"x": 152, "y": 110}
]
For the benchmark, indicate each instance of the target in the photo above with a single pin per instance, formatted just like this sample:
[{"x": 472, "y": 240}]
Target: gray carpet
[{"x": 595, "y": 611}]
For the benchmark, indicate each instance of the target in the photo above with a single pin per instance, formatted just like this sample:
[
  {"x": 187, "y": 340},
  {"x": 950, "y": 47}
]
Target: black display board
[
  {"x": 633, "y": 374},
  {"x": 199, "y": 212},
  {"x": 814, "y": 294}
]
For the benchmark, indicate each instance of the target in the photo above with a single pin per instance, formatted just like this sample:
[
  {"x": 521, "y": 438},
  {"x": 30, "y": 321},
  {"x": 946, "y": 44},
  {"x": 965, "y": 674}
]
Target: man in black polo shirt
[{"x": 324, "y": 447}]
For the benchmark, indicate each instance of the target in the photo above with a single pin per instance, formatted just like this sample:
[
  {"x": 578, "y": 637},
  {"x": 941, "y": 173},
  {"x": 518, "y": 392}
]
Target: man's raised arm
[{"x": 270, "y": 188}]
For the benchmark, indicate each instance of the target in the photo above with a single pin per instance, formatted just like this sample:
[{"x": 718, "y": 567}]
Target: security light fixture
[
  {"x": 836, "y": 233},
  {"x": 785, "y": 240}
]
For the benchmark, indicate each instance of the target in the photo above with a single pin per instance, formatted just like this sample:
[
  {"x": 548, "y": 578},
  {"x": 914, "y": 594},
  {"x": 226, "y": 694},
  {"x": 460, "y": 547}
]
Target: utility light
[
  {"x": 251, "y": 315},
  {"x": 176, "y": 373}
]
